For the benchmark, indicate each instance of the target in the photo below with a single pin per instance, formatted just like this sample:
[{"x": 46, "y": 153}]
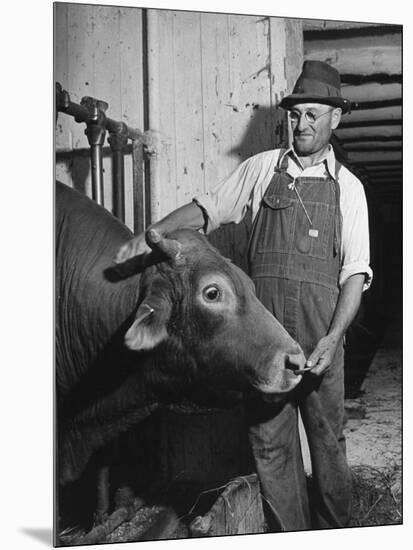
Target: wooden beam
[
  {"x": 372, "y": 146},
  {"x": 376, "y": 104},
  {"x": 382, "y": 113},
  {"x": 383, "y": 168},
  {"x": 325, "y": 25},
  {"x": 356, "y": 79},
  {"x": 371, "y": 166},
  {"x": 372, "y": 91},
  {"x": 363, "y": 43},
  {"x": 382, "y": 156},
  {"x": 379, "y": 132},
  {"x": 366, "y": 139},
  {"x": 373, "y": 159},
  {"x": 364, "y": 123},
  {"x": 385, "y": 175},
  {"x": 368, "y": 61}
]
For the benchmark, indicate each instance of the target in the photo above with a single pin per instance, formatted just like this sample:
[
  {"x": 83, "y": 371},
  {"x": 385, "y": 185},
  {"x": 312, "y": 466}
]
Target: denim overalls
[{"x": 294, "y": 260}]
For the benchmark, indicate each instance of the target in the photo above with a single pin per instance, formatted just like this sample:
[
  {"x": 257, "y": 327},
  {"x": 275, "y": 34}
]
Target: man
[{"x": 309, "y": 259}]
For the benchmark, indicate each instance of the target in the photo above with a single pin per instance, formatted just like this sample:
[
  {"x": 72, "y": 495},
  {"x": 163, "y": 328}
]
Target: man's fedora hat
[{"x": 318, "y": 82}]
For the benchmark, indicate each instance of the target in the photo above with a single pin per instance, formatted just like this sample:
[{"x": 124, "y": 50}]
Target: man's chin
[{"x": 302, "y": 149}]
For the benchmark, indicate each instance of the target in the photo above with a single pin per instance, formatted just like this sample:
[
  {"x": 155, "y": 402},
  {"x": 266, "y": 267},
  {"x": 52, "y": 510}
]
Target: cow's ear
[{"x": 147, "y": 330}]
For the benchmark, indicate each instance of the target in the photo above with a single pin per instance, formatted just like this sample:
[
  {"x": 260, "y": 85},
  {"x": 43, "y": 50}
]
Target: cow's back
[{"x": 90, "y": 308}]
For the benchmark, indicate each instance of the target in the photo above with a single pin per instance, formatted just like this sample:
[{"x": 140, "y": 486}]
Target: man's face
[{"x": 313, "y": 136}]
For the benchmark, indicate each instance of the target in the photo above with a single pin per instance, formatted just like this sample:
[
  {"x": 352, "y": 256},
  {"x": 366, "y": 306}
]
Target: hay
[{"x": 377, "y": 496}]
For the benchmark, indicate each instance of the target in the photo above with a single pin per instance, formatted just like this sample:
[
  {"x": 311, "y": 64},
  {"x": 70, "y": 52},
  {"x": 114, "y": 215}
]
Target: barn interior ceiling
[{"x": 369, "y": 59}]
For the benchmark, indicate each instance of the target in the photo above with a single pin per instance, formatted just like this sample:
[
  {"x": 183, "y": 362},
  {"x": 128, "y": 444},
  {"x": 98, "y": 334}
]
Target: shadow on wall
[{"x": 266, "y": 130}]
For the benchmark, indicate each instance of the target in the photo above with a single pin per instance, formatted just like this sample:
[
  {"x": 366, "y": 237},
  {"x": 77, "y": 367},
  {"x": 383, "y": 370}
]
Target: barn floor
[{"x": 374, "y": 439}]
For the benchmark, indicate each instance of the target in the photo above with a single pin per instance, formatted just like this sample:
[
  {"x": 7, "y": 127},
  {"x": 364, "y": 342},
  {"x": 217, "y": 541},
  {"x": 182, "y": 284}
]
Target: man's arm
[
  {"x": 347, "y": 307},
  {"x": 189, "y": 216}
]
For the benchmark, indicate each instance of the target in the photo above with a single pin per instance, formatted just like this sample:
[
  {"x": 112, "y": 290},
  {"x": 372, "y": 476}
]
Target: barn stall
[{"x": 189, "y": 96}]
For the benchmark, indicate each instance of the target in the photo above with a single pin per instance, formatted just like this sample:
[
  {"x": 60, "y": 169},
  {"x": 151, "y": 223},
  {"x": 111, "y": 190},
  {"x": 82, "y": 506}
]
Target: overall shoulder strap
[
  {"x": 338, "y": 217},
  {"x": 282, "y": 162}
]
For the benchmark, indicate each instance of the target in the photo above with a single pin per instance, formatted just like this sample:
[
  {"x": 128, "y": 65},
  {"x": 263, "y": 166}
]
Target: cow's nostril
[{"x": 296, "y": 363}]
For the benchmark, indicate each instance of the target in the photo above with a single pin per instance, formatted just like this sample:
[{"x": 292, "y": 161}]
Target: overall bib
[{"x": 294, "y": 260}]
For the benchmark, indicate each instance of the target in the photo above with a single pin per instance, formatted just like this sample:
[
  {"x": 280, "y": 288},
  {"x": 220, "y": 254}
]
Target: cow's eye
[{"x": 211, "y": 293}]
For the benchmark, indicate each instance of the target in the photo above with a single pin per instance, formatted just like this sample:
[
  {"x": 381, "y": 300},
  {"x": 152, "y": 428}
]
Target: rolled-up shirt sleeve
[
  {"x": 355, "y": 245},
  {"x": 229, "y": 200}
]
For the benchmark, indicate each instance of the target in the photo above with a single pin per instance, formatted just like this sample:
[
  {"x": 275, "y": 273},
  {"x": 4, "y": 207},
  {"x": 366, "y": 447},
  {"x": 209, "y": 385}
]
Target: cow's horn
[{"x": 170, "y": 247}]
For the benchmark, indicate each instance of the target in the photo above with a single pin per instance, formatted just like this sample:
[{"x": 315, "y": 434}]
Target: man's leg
[
  {"x": 276, "y": 447},
  {"x": 322, "y": 410}
]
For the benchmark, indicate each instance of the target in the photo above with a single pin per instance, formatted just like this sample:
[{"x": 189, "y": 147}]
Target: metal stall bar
[
  {"x": 95, "y": 132},
  {"x": 93, "y": 112},
  {"x": 81, "y": 114},
  {"x": 118, "y": 140},
  {"x": 139, "y": 211}
]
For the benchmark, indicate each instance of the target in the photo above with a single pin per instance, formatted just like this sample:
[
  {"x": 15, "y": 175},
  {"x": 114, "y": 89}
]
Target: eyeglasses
[{"x": 308, "y": 115}]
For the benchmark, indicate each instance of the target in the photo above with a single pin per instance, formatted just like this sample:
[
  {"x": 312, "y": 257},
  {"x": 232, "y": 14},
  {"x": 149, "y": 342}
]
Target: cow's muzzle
[{"x": 283, "y": 374}]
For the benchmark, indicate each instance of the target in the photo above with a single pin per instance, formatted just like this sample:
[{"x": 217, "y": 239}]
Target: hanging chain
[{"x": 294, "y": 188}]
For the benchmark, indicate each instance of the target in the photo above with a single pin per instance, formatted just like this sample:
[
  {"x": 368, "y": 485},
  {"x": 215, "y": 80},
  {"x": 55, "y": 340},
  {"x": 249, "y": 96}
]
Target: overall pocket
[
  {"x": 312, "y": 239},
  {"x": 276, "y": 227}
]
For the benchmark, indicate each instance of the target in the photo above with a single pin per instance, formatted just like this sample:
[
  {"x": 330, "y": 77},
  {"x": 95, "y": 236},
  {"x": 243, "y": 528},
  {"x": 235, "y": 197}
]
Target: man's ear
[
  {"x": 336, "y": 117},
  {"x": 148, "y": 329}
]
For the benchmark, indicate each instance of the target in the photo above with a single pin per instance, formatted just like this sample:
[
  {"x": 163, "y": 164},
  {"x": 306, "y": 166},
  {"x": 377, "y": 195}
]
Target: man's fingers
[
  {"x": 132, "y": 248},
  {"x": 121, "y": 256},
  {"x": 314, "y": 357},
  {"x": 321, "y": 366}
]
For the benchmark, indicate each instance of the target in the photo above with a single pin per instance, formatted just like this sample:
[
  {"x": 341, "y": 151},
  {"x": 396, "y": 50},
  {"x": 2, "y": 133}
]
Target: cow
[{"x": 132, "y": 336}]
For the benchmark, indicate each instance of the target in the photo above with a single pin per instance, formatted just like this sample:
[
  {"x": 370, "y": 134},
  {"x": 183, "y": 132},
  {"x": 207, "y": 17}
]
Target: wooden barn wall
[
  {"x": 98, "y": 53},
  {"x": 214, "y": 81}
]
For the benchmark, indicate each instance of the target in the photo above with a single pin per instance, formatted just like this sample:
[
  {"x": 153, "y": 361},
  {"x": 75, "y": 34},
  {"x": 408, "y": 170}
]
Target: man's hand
[
  {"x": 189, "y": 216},
  {"x": 323, "y": 355},
  {"x": 346, "y": 309},
  {"x": 134, "y": 247}
]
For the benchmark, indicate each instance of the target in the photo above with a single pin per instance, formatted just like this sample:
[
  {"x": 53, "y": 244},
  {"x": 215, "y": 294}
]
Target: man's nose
[{"x": 302, "y": 122}]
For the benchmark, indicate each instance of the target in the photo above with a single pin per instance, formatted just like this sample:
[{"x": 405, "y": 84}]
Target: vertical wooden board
[
  {"x": 294, "y": 51},
  {"x": 188, "y": 105},
  {"x": 81, "y": 71},
  {"x": 278, "y": 63},
  {"x": 161, "y": 69},
  {"x": 287, "y": 59},
  {"x": 131, "y": 88},
  {"x": 79, "y": 78},
  {"x": 277, "y": 58},
  {"x": 105, "y": 59},
  {"x": 250, "y": 85},
  {"x": 217, "y": 111},
  {"x": 130, "y": 66},
  {"x": 61, "y": 68}
]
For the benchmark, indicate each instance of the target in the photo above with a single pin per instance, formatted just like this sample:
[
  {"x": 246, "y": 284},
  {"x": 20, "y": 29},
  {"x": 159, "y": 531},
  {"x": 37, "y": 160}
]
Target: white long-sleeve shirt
[{"x": 229, "y": 200}]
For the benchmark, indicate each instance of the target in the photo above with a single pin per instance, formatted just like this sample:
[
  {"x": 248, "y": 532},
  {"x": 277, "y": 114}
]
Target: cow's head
[{"x": 202, "y": 304}]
